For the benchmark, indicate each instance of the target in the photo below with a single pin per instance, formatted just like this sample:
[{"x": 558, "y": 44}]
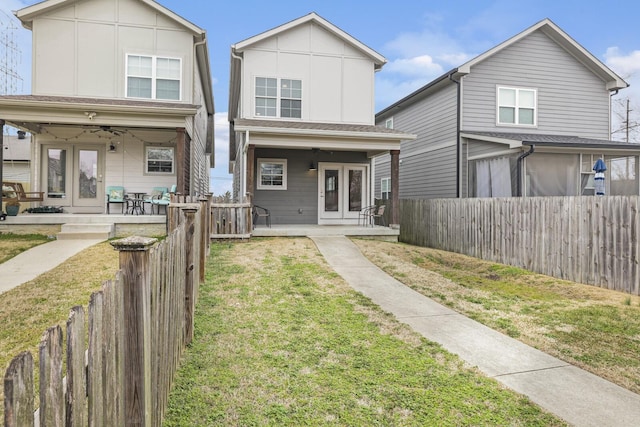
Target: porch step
[{"x": 86, "y": 231}]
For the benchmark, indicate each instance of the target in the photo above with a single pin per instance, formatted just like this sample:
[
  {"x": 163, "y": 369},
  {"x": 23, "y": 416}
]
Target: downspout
[
  {"x": 519, "y": 169},
  {"x": 611, "y": 112},
  {"x": 458, "y": 145}
]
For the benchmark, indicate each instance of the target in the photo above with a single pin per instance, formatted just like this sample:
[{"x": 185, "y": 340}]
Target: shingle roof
[
  {"x": 555, "y": 140},
  {"x": 339, "y": 127},
  {"x": 96, "y": 101}
]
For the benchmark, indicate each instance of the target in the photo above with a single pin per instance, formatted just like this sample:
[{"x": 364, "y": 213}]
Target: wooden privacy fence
[
  {"x": 592, "y": 240},
  {"x": 138, "y": 325},
  {"x": 231, "y": 221}
]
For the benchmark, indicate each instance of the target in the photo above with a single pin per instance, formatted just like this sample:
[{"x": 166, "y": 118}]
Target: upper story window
[
  {"x": 389, "y": 123},
  {"x": 278, "y": 97},
  {"x": 153, "y": 77},
  {"x": 517, "y": 106}
]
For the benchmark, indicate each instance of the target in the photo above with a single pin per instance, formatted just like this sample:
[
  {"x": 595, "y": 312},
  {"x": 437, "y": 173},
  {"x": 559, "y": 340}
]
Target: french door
[
  {"x": 342, "y": 192},
  {"x": 73, "y": 177}
]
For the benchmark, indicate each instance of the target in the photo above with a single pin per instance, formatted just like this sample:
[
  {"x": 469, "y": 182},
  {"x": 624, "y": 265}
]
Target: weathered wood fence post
[
  {"x": 51, "y": 392},
  {"x": 189, "y": 291},
  {"x": 18, "y": 392},
  {"x": 134, "y": 265}
]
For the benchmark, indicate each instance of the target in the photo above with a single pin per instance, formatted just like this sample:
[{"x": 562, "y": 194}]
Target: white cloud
[
  {"x": 416, "y": 58},
  {"x": 221, "y": 180},
  {"x": 417, "y": 66},
  {"x": 627, "y": 66}
]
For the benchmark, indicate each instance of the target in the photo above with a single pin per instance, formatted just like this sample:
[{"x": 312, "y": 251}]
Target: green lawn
[{"x": 281, "y": 340}]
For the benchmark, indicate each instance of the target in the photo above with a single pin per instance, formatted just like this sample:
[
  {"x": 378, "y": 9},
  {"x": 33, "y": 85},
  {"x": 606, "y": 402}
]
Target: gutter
[{"x": 521, "y": 157}]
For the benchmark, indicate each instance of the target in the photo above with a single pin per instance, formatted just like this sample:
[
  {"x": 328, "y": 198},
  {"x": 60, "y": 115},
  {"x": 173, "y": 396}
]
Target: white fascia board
[
  {"x": 325, "y": 133},
  {"x": 379, "y": 59},
  {"x": 328, "y": 145},
  {"x": 510, "y": 142}
]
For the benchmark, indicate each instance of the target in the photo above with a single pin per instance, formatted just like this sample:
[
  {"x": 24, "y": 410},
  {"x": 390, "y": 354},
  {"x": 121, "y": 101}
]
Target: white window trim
[
  {"x": 278, "y": 98},
  {"x": 261, "y": 186},
  {"x": 389, "y": 123},
  {"x": 146, "y": 160},
  {"x": 517, "y": 89},
  {"x": 153, "y": 77},
  {"x": 382, "y": 181}
]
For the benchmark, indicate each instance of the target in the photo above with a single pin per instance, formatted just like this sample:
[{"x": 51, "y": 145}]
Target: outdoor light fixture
[
  {"x": 312, "y": 166},
  {"x": 112, "y": 148}
]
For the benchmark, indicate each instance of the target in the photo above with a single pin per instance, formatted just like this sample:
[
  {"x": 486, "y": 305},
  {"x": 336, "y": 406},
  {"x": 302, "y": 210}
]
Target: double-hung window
[
  {"x": 272, "y": 174},
  {"x": 153, "y": 77},
  {"x": 159, "y": 160},
  {"x": 278, "y": 97},
  {"x": 517, "y": 106},
  {"x": 385, "y": 188}
]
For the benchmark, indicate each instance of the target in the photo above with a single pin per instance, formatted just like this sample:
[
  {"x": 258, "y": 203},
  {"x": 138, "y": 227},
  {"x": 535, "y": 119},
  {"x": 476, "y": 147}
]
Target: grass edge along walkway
[{"x": 280, "y": 339}]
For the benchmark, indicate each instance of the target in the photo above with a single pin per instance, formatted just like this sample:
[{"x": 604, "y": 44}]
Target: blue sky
[{"x": 421, "y": 40}]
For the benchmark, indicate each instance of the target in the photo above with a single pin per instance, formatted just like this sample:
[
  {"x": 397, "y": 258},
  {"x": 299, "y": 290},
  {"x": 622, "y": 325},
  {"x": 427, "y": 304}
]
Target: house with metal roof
[
  {"x": 529, "y": 117},
  {"x": 301, "y": 111},
  {"x": 121, "y": 97}
]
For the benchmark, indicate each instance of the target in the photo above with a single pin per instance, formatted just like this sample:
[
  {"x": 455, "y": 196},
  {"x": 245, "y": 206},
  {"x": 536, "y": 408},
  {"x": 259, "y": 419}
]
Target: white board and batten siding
[
  {"x": 337, "y": 80},
  {"x": 571, "y": 99},
  {"x": 100, "y": 34}
]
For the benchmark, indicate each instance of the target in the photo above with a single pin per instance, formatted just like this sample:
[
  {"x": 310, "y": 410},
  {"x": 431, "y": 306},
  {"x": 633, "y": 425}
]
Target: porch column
[
  {"x": 251, "y": 171},
  {"x": 394, "y": 219},
  {"x": 180, "y": 160}
]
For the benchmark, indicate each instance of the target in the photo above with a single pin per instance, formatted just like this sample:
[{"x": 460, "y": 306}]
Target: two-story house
[
  {"x": 121, "y": 96},
  {"x": 529, "y": 117},
  {"x": 301, "y": 110}
]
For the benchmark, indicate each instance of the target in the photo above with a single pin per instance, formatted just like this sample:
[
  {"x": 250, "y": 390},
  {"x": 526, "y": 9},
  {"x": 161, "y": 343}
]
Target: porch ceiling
[{"x": 31, "y": 112}]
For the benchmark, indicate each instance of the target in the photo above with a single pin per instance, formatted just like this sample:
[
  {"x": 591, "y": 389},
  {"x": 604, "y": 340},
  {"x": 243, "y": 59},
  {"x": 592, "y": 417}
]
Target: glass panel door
[
  {"x": 355, "y": 190},
  {"x": 56, "y": 173},
  {"x": 342, "y": 191},
  {"x": 332, "y": 190},
  {"x": 88, "y": 176},
  {"x": 88, "y": 191}
]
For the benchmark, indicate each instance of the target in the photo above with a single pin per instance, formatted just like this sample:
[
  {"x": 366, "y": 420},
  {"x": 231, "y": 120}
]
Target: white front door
[{"x": 342, "y": 192}]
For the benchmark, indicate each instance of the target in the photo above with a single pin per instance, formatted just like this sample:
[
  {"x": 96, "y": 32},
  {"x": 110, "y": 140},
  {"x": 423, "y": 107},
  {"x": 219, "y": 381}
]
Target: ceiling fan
[{"x": 108, "y": 129}]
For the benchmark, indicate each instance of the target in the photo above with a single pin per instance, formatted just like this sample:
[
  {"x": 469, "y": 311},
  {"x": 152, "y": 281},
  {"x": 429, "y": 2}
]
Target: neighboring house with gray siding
[
  {"x": 16, "y": 159},
  {"x": 301, "y": 110},
  {"x": 121, "y": 96},
  {"x": 529, "y": 117}
]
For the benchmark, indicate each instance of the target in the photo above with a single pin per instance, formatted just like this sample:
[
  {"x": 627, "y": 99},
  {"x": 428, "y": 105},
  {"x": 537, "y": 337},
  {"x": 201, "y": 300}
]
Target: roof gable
[
  {"x": 29, "y": 13},
  {"x": 563, "y": 40},
  {"x": 351, "y": 41}
]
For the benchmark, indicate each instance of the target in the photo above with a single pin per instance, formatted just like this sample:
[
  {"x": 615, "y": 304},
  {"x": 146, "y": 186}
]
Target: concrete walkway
[
  {"x": 580, "y": 398},
  {"x": 31, "y": 263}
]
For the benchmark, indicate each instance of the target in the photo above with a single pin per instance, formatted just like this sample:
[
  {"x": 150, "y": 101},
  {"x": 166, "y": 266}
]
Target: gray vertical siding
[
  {"x": 571, "y": 99},
  {"x": 302, "y": 184},
  {"x": 428, "y": 168}
]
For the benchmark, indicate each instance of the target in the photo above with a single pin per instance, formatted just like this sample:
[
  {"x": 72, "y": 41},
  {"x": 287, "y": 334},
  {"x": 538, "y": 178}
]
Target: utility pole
[{"x": 627, "y": 121}]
